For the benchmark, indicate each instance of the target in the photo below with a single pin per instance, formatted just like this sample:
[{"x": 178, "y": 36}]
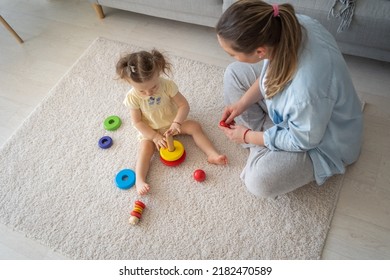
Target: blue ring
[
  {"x": 105, "y": 142},
  {"x": 125, "y": 179}
]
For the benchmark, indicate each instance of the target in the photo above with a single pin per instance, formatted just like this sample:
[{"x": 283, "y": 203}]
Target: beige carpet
[{"x": 57, "y": 185}]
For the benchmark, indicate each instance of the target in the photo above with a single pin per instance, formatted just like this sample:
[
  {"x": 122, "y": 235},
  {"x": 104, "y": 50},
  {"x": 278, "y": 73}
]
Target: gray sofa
[
  {"x": 201, "y": 12},
  {"x": 368, "y": 34}
]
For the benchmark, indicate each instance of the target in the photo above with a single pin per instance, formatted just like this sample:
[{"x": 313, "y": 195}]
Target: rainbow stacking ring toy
[
  {"x": 125, "y": 179},
  {"x": 112, "y": 123},
  {"x": 136, "y": 214},
  {"x": 174, "y": 157}
]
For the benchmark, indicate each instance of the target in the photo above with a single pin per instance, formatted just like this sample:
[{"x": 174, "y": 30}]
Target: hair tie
[
  {"x": 132, "y": 68},
  {"x": 276, "y": 9}
]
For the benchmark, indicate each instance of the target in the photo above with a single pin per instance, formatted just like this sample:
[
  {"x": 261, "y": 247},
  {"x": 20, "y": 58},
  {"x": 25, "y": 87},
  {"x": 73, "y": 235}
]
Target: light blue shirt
[{"x": 319, "y": 110}]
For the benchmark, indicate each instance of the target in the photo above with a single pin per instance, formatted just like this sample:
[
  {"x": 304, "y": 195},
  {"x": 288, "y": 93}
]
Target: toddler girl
[{"x": 158, "y": 109}]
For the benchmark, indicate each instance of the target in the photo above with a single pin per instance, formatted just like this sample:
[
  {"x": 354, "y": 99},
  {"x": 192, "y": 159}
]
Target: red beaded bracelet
[{"x": 243, "y": 137}]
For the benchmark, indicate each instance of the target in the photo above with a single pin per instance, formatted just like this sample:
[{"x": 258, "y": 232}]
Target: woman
[{"x": 299, "y": 115}]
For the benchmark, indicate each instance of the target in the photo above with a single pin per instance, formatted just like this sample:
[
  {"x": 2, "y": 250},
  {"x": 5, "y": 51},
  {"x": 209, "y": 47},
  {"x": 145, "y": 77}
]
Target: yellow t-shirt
[{"x": 159, "y": 110}]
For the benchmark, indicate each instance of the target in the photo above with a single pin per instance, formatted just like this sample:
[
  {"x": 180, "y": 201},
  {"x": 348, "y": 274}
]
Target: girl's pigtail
[{"x": 161, "y": 62}]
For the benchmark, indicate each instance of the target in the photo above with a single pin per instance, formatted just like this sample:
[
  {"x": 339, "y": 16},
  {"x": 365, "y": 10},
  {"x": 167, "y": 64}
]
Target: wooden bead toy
[
  {"x": 224, "y": 124},
  {"x": 136, "y": 214},
  {"x": 199, "y": 175},
  {"x": 112, "y": 123},
  {"x": 174, "y": 154},
  {"x": 125, "y": 179}
]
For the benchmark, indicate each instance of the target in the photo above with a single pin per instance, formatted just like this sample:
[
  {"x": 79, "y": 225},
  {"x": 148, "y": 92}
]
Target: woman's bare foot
[
  {"x": 217, "y": 159},
  {"x": 142, "y": 188}
]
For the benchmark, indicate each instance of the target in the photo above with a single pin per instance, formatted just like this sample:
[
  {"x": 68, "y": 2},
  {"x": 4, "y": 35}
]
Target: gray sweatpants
[{"x": 267, "y": 173}]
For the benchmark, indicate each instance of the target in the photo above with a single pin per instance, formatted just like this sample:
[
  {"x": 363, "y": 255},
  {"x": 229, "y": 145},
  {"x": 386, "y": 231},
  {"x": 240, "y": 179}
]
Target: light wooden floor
[{"x": 57, "y": 32}]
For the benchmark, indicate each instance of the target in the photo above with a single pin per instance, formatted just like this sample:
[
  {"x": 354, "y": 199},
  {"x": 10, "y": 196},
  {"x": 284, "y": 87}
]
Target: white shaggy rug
[{"x": 57, "y": 185}]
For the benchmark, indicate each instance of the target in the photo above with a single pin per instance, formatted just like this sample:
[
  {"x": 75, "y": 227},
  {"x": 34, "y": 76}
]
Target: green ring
[{"x": 112, "y": 123}]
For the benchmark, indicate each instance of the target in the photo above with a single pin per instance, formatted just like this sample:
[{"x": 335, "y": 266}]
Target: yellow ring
[{"x": 175, "y": 155}]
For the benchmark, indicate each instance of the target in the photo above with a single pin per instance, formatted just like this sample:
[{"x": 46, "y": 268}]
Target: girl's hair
[
  {"x": 249, "y": 24},
  {"x": 142, "y": 66}
]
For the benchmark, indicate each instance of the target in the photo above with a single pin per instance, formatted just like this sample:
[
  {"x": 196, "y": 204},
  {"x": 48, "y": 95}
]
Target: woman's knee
[
  {"x": 243, "y": 74},
  {"x": 230, "y": 71},
  {"x": 272, "y": 183},
  {"x": 269, "y": 174},
  {"x": 261, "y": 186}
]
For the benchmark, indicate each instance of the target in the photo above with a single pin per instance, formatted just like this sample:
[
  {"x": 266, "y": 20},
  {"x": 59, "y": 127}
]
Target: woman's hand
[
  {"x": 159, "y": 141},
  {"x": 235, "y": 133},
  {"x": 232, "y": 111},
  {"x": 251, "y": 96}
]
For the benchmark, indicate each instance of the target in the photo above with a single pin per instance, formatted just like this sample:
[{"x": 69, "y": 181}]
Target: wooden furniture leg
[
  {"x": 99, "y": 10},
  {"x": 3, "y": 21}
]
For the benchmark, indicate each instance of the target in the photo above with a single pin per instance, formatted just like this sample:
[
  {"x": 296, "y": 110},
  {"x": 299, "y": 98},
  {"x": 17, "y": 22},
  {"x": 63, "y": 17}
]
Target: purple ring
[{"x": 105, "y": 142}]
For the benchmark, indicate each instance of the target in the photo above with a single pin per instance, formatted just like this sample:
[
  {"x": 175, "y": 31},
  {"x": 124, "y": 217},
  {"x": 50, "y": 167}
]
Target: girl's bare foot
[
  {"x": 217, "y": 159},
  {"x": 142, "y": 188}
]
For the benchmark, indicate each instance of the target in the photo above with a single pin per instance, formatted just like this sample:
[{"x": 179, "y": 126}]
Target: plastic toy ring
[
  {"x": 125, "y": 179},
  {"x": 174, "y": 163},
  {"x": 105, "y": 142},
  {"x": 112, "y": 123},
  {"x": 175, "y": 155}
]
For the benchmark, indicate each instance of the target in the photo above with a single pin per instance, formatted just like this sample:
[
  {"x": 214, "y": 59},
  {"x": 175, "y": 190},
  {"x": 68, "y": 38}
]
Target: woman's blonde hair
[
  {"x": 249, "y": 24},
  {"x": 142, "y": 66}
]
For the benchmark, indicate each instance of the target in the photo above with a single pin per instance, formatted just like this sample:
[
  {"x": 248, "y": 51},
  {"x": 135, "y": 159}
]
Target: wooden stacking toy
[
  {"x": 174, "y": 154},
  {"x": 136, "y": 214},
  {"x": 224, "y": 124}
]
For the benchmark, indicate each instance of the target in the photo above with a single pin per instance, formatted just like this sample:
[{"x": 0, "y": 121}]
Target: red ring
[
  {"x": 136, "y": 214},
  {"x": 175, "y": 162},
  {"x": 140, "y": 203}
]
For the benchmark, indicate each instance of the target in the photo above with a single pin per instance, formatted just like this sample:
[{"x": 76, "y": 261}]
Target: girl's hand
[
  {"x": 174, "y": 129},
  {"x": 235, "y": 133},
  {"x": 159, "y": 141}
]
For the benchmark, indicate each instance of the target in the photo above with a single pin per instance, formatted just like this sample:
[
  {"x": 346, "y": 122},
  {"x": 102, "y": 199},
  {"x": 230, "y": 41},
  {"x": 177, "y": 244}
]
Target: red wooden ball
[
  {"x": 199, "y": 175},
  {"x": 222, "y": 123}
]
